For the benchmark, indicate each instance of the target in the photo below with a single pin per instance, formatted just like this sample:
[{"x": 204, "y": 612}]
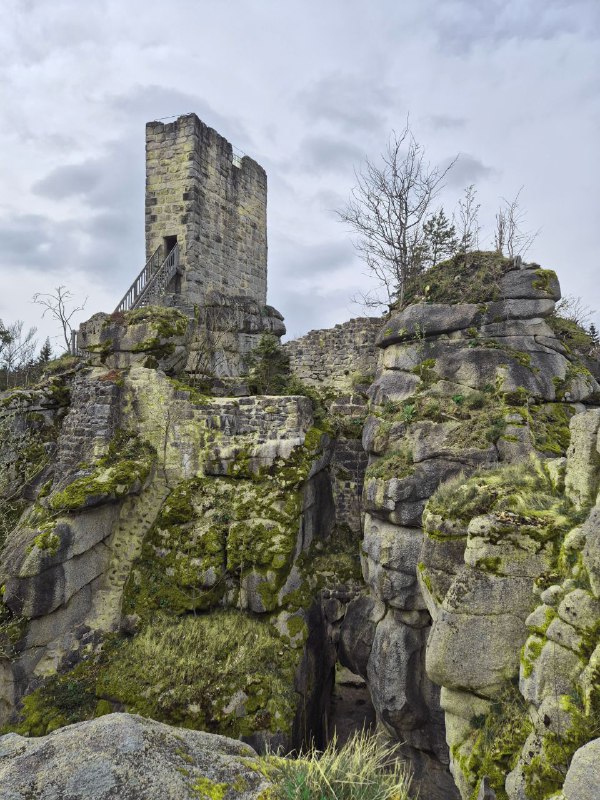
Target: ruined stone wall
[
  {"x": 337, "y": 357},
  {"x": 215, "y": 206}
]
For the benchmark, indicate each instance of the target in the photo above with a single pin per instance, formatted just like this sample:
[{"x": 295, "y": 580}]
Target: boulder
[
  {"x": 583, "y": 778},
  {"x": 129, "y": 757}
]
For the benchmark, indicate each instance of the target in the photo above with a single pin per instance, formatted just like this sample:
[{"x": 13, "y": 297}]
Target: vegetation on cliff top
[{"x": 472, "y": 277}]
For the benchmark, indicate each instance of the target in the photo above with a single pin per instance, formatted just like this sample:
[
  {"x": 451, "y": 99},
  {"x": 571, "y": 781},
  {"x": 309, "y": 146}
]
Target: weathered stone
[
  {"x": 395, "y": 675},
  {"x": 390, "y": 561},
  {"x": 552, "y": 673},
  {"x": 530, "y": 284},
  {"x": 485, "y": 790},
  {"x": 512, "y": 552},
  {"x": 583, "y": 778},
  {"x": 564, "y": 634},
  {"x": 591, "y": 549},
  {"x": 517, "y": 309},
  {"x": 428, "y": 319},
  {"x": 393, "y": 387},
  {"x": 342, "y": 357},
  {"x": 580, "y": 610},
  {"x": 583, "y": 458},
  {"x": 129, "y": 757},
  {"x": 480, "y": 613},
  {"x": 358, "y": 632}
]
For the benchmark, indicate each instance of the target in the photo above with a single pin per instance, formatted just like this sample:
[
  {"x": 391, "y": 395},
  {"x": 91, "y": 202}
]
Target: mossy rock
[
  {"x": 226, "y": 672},
  {"x": 123, "y": 470}
]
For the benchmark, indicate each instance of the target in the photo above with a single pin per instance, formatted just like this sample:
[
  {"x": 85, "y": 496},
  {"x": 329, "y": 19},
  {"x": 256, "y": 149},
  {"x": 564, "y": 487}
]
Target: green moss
[
  {"x": 532, "y": 650},
  {"x": 213, "y": 533},
  {"x": 489, "y": 564},
  {"x": 545, "y": 773},
  {"x": 573, "y": 336},
  {"x": 187, "y": 671},
  {"x": 47, "y": 541},
  {"x": 524, "y": 493},
  {"x": 12, "y": 630},
  {"x": 549, "y": 425},
  {"x": 167, "y": 322},
  {"x": 124, "y": 469},
  {"x": 563, "y": 386},
  {"x": 23, "y": 459},
  {"x": 396, "y": 464},
  {"x": 544, "y": 279},
  {"x": 209, "y": 790},
  {"x": 426, "y": 372},
  {"x": 156, "y": 347},
  {"x": 498, "y": 741}
]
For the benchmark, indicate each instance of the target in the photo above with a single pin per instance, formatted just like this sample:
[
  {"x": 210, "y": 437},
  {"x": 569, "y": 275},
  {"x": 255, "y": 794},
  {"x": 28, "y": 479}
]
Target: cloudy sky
[{"x": 308, "y": 88}]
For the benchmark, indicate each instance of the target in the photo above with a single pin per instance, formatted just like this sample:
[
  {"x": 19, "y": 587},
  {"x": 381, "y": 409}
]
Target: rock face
[
  {"x": 460, "y": 387},
  {"x": 126, "y": 756},
  {"x": 157, "y": 502}
]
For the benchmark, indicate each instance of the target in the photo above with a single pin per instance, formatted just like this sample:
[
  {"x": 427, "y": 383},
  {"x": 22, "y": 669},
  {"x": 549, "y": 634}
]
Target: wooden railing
[{"x": 152, "y": 280}]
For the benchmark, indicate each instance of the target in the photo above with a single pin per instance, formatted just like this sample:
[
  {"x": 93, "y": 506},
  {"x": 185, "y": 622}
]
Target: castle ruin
[{"x": 206, "y": 240}]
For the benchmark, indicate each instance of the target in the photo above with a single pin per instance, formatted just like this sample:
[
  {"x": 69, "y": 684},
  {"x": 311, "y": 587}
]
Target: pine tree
[
  {"x": 46, "y": 352},
  {"x": 440, "y": 240},
  {"x": 593, "y": 331},
  {"x": 268, "y": 366}
]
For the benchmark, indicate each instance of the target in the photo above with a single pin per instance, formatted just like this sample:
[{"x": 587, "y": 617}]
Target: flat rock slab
[{"x": 129, "y": 757}]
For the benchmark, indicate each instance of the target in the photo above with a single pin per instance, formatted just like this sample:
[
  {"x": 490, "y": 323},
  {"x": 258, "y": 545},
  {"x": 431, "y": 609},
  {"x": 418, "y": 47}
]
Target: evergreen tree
[
  {"x": 439, "y": 239},
  {"x": 268, "y": 366},
  {"x": 593, "y": 331},
  {"x": 46, "y": 352}
]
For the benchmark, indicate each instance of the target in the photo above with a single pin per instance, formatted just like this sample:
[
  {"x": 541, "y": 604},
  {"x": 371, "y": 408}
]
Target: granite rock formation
[{"x": 206, "y": 561}]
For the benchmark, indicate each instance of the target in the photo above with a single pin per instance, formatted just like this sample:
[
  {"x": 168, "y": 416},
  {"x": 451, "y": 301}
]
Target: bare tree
[
  {"x": 509, "y": 234},
  {"x": 59, "y": 306},
  {"x": 387, "y": 209},
  {"x": 573, "y": 309},
  {"x": 468, "y": 220},
  {"x": 18, "y": 351}
]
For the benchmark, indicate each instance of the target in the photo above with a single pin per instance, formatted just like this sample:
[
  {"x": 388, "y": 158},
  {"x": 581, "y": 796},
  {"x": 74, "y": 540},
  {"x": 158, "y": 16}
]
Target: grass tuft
[{"x": 365, "y": 768}]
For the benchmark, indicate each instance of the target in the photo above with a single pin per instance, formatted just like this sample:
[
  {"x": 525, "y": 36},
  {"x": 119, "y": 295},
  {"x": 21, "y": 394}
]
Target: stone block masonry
[
  {"x": 337, "y": 357},
  {"x": 212, "y": 205}
]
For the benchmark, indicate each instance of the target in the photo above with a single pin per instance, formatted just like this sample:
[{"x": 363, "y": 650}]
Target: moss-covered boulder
[
  {"x": 129, "y": 757},
  {"x": 156, "y": 337}
]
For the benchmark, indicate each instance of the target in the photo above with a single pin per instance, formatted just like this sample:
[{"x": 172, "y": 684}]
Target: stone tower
[{"x": 213, "y": 205}]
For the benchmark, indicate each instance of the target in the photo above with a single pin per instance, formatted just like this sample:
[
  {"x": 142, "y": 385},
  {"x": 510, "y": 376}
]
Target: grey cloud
[
  {"x": 329, "y": 200},
  {"x": 30, "y": 240},
  {"x": 312, "y": 309},
  {"x": 351, "y": 102},
  {"x": 101, "y": 245},
  {"x": 467, "y": 170},
  {"x": 114, "y": 180},
  {"x": 471, "y": 22},
  {"x": 327, "y": 154},
  {"x": 445, "y": 122},
  {"x": 302, "y": 260}
]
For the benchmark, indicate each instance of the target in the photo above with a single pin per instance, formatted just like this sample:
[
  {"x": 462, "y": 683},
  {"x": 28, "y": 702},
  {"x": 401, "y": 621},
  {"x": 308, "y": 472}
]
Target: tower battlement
[{"x": 210, "y": 202}]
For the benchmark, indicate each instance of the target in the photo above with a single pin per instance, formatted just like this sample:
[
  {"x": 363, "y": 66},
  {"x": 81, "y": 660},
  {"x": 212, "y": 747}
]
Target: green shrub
[
  {"x": 365, "y": 768},
  {"x": 268, "y": 367}
]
